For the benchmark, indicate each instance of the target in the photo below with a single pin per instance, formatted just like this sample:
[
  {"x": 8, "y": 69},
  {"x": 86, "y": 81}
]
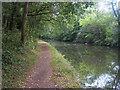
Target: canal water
[{"x": 98, "y": 66}]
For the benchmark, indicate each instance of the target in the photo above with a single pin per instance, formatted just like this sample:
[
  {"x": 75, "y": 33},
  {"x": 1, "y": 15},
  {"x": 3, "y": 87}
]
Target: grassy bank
[
  {"x": 64, "y": 74},
  {"x": 15, "y": 71}
]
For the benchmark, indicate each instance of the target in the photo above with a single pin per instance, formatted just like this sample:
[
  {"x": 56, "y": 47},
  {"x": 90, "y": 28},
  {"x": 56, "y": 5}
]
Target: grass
[
  {"x": 64, "y": 74},
  {"x": 14, "y": 74}
]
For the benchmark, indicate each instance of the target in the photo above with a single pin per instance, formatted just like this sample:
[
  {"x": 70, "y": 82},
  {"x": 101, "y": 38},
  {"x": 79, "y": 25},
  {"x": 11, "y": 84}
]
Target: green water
[{"x": 97, "y": 65}]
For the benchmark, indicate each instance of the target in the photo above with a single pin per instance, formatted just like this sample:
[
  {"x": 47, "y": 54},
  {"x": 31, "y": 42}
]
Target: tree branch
[
  {"x": 40, "y": 14},
  {"x": 39, "y": 10},
  {"x": 114, "y": 10}
]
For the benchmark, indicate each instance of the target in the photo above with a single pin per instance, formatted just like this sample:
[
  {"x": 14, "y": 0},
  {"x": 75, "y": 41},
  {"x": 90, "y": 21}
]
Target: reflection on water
[
  {"x": 101, "y": 81},
  {"x": 97, "y": 66}
]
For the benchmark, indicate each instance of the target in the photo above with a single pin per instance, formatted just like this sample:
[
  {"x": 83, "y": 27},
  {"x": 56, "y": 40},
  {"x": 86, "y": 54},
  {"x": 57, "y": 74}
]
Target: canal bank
[
  {"x": 64, "y": 74},
  {"x": 97, "y": 66}
]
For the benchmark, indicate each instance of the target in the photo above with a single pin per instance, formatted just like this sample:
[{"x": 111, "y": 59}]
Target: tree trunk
[
  {"x": 4, "y": 24},
  {"x": 23, "y": 33},
  {"x": 12, "y": 16},
  {"x": 114, "y": 9}
]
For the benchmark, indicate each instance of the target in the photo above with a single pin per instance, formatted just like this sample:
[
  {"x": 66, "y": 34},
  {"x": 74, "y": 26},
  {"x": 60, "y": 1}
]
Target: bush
[{"x": 98, "y": 28}]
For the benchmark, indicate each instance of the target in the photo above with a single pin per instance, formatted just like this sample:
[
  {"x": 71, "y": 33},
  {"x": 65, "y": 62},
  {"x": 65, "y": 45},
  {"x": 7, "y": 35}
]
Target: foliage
[
  {"x": 67, "y": 21},
  {"x": 99, "y": 28},
  {"x": 15, "y": 59},
  {"x": 93, "y": 27}
]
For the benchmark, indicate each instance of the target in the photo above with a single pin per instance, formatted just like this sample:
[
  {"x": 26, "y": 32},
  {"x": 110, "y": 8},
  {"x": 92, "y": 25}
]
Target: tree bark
[
  {"x": 114, "y": 10},
  {"x": 23, "y": 33},
  {"x": 12, "y": 16}
]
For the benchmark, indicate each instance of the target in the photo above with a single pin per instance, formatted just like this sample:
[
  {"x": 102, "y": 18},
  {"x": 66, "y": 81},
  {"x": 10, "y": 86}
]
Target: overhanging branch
[{"x": 40, "y": 14}]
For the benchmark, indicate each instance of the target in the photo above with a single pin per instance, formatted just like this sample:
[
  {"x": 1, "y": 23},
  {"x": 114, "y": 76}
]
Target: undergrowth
[{"x": 16, "y": 60}]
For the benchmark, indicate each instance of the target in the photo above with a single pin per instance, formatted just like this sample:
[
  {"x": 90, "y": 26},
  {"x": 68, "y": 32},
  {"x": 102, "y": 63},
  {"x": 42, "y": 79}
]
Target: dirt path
[{"x": 39, "y": 75}]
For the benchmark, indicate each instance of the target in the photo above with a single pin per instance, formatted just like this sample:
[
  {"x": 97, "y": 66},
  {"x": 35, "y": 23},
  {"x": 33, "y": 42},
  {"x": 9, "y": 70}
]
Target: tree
[
  {"x": 12, "y": 15},
  {"x": 117, "y": 15},
  {"x": 23, "y": 32},
  {"x": 116, "y": 12}
]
